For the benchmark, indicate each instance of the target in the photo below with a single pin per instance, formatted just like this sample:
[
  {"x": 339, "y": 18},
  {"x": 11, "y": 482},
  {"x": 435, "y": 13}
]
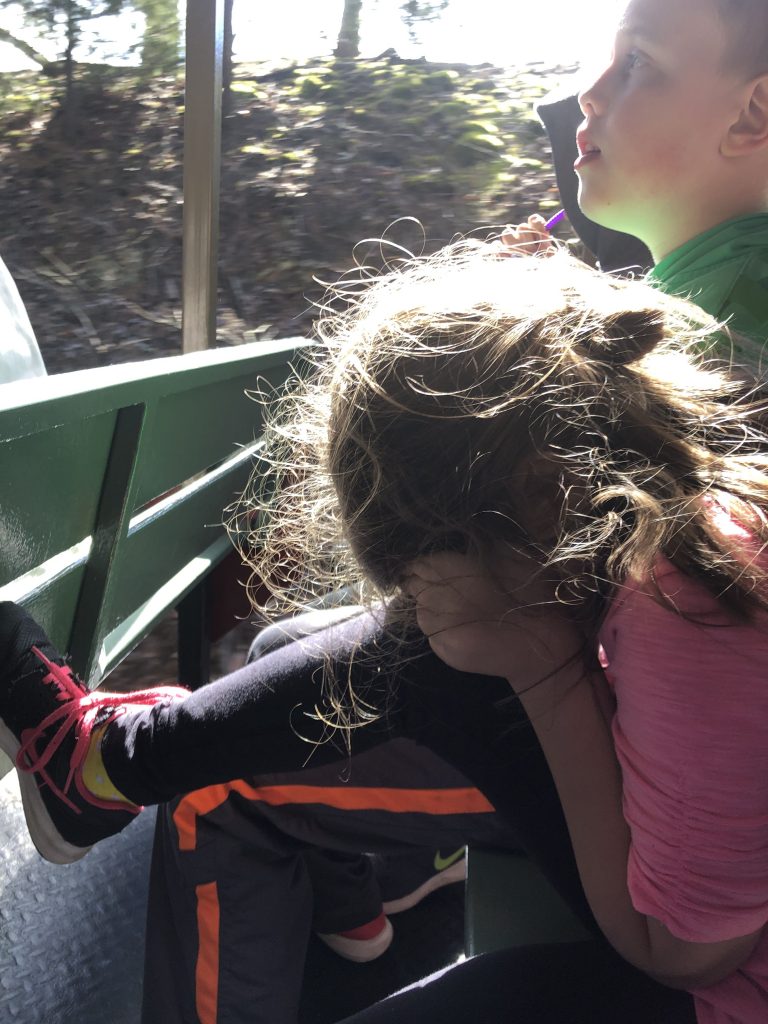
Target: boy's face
[{"x": 649, "y": 146}]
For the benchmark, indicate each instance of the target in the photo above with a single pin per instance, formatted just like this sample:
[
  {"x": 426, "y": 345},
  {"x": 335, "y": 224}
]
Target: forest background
[{"x": 318, "y": 153}]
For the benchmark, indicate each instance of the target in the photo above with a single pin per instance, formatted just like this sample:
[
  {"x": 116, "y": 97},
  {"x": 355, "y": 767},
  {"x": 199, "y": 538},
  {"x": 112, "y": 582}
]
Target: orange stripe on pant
[
  {"x": 207, "y": 968},
  {"x": 467, "y": 800}
]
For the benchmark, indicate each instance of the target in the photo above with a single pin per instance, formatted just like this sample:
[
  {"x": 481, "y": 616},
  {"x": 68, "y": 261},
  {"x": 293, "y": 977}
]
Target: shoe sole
[
  {"x": 45, "y": 837},
  {"x": 359, "y": 951},
  {"x": 455, "y": 873}
]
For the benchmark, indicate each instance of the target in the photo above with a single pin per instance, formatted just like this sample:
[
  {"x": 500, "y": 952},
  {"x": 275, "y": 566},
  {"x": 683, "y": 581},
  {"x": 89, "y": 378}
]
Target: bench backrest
[{"x": 113, "y": 485}]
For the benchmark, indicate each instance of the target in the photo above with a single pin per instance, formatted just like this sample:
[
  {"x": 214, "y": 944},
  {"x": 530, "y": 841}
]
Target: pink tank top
[{"x": 691, "y": 735}]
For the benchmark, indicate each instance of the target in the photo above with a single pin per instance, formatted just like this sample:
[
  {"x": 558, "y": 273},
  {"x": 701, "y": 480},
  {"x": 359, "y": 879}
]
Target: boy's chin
[{"x": 604, "y": 214}]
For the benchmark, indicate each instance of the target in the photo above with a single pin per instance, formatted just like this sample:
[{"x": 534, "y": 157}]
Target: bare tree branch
[{"x": 25, "y": 48}]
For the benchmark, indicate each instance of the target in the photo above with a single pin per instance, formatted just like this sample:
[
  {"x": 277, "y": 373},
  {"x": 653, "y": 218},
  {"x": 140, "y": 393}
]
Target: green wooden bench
[
  {"x": 510, "y": 903},
  {"x": 112, "y": 494}
]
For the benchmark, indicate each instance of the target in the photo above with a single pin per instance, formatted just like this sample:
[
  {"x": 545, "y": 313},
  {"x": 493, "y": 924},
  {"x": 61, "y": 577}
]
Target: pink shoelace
[{"x": 79, "y": 710}]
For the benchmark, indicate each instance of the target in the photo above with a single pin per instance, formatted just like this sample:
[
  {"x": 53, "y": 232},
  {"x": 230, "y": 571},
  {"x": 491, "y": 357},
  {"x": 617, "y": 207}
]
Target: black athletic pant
[
  {"x": 225, "y": 738},
  {"x": 262, "y": 719}
]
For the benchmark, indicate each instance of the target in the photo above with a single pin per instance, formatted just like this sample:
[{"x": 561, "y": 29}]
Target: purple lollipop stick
[{"x": 553, "y": 221}]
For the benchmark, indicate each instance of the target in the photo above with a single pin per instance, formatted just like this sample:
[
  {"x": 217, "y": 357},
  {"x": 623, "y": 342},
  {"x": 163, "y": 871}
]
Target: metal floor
[{"x": 71, "y": 938}]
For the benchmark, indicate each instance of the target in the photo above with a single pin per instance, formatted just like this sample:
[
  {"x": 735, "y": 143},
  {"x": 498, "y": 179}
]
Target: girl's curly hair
[{"x": 469, "y": 400}]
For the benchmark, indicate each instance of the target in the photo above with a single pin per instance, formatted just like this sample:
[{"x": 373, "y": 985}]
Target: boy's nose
[
  {"x": 592, "y": 98},
  {"x": 586, "y": 101}
]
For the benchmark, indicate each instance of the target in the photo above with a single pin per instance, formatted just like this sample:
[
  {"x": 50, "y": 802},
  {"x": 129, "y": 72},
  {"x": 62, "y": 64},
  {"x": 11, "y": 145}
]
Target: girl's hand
[
  {"x": 508, "y": 625},
  {"x": 528, "y": 239}
]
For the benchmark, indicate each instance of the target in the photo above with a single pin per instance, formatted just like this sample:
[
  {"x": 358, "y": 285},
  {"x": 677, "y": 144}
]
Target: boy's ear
[{"x": 749, "y": 132}]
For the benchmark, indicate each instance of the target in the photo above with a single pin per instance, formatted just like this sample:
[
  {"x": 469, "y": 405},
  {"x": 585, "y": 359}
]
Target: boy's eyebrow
[{"x": 639, "y": 32}]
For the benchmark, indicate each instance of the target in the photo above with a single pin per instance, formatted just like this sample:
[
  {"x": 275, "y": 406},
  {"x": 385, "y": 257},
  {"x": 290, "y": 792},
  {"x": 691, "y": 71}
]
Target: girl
[
  {"x": 575, "y": 502},
  {"x": 528, "y": 462}
]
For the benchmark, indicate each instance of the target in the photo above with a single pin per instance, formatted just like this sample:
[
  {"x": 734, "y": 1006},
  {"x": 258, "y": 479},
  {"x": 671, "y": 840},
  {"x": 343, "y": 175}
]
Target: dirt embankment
[{"x": 315, "y": 158}]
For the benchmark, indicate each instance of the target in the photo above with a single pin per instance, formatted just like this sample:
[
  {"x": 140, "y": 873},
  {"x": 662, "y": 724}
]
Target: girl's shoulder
[
  {"x": 667, "y": 589},
  {"x": 664, "y": 595},
  {"x": 667, "y": 642}
]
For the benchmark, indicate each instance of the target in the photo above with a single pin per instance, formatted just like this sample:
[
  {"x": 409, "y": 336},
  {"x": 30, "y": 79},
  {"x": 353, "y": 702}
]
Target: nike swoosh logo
[{"x": 441, "y": 863}]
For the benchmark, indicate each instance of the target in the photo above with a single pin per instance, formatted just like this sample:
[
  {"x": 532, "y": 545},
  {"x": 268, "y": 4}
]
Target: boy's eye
[{"x": 633, "y": 60}]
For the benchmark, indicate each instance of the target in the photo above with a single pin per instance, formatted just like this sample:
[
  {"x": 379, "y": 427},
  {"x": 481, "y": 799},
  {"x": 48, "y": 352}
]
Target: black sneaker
[
  {"x": 46, "y": 719},
  {"x": 406, "y": 879}
]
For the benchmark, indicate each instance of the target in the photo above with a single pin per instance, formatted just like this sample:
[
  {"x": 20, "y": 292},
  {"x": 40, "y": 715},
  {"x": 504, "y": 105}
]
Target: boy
[{"x": 673, "y": 149}]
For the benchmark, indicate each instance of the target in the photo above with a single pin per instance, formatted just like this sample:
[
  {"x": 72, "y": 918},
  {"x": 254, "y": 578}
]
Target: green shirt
[{"x": 725, "y": 272}]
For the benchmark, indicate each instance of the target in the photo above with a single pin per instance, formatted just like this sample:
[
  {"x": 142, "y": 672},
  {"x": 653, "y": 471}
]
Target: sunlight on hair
[{"x": 475, "y": 402}]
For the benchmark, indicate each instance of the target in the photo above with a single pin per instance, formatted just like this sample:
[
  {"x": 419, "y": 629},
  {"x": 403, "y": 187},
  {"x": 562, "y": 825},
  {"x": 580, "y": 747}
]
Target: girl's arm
[
  {"x": 576, "y": 739},
  {"x": 470, "y": 626}
]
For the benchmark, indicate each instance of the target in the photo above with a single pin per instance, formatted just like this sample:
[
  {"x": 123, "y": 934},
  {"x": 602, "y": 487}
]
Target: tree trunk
[
  {"x": 69, "y": 58},
  {"x": 227, "y": 68},
  {"x": 348, "y": 43},
  {"x": 69, "y": 68}
]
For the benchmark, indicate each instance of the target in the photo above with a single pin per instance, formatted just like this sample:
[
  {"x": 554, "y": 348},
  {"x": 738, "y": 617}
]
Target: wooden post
[{"x": 202, "y": 161}]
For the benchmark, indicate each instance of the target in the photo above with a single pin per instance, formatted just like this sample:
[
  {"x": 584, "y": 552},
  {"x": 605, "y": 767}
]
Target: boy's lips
[{"x": 588, "y": 151}]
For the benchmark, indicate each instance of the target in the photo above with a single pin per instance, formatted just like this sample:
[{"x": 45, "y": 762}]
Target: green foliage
[
  {"x": 415, "y": 11},
  {"x": 70, "y": 13},
  {"x": 404, "y": 90},
  {"x": 441, "y": 131},
  {"x": 310, "y": 86},
  {"x": 24, "y": 96},
  {"x": 475, "y": 147},
  {"x": 160, "y": 50},
  {"x": 443, "y": 81}
]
